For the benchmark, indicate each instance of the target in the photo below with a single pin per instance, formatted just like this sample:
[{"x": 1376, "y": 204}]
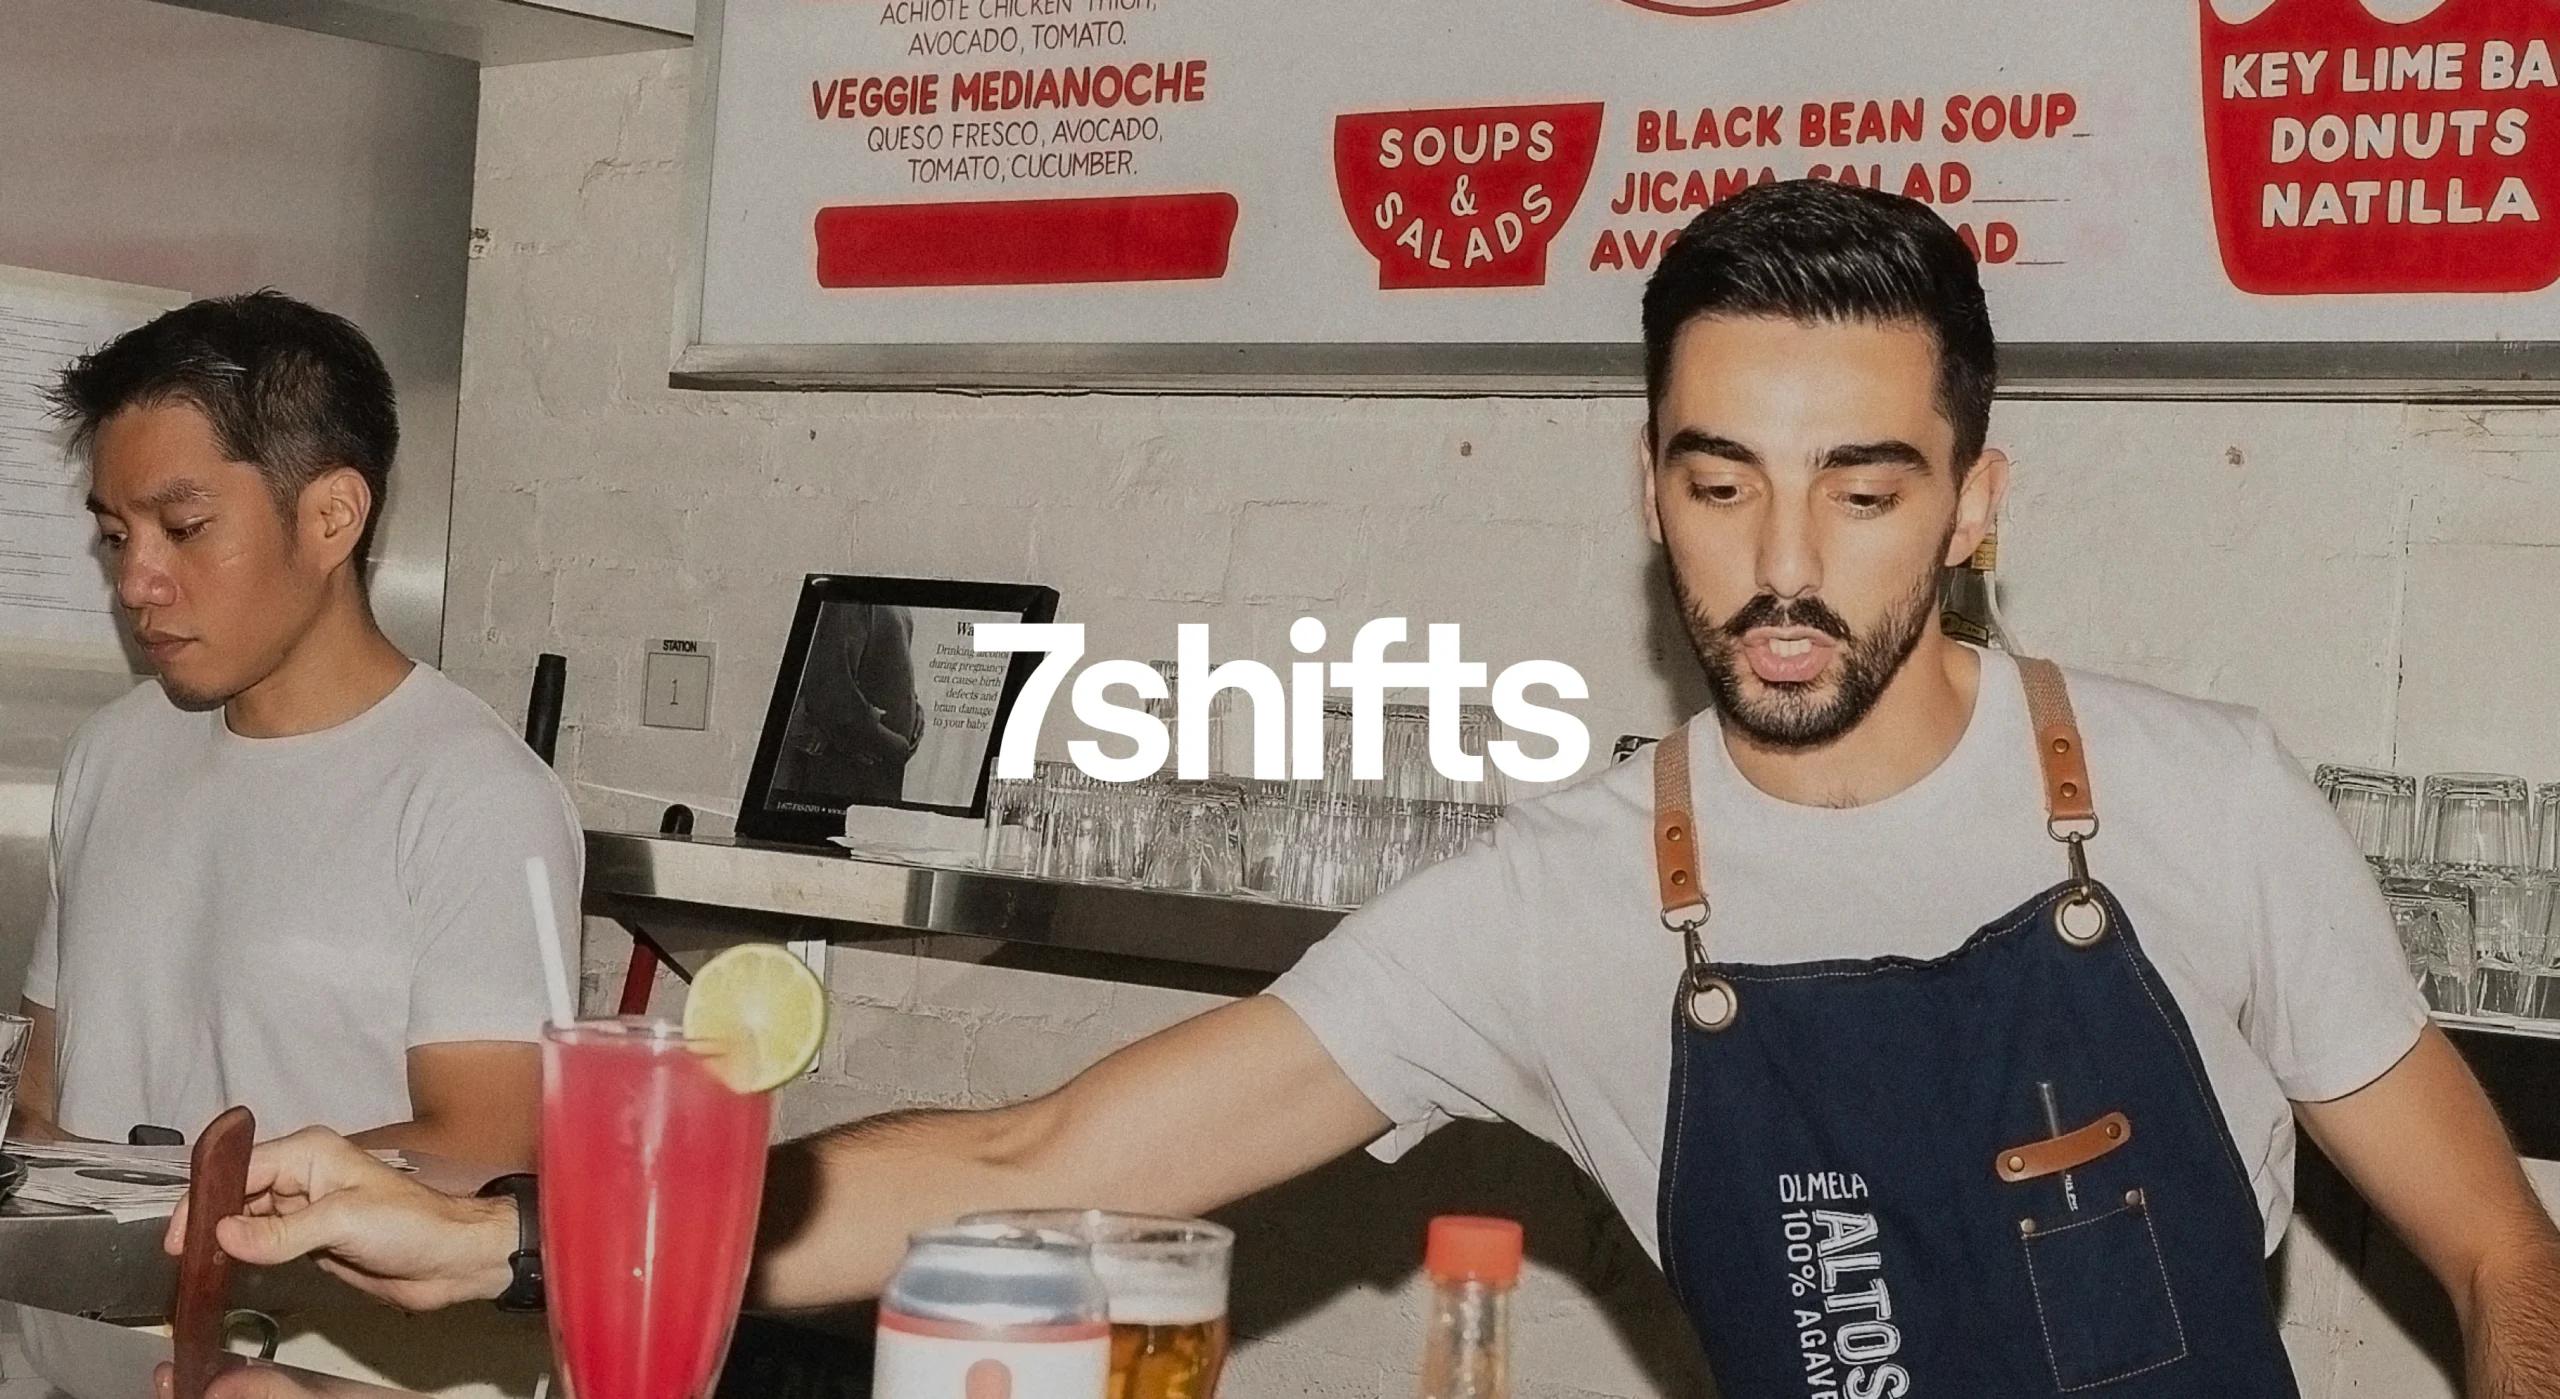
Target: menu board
[
  {"x": 54, "y": 594},
  {"x": 1386, "y": 184}
]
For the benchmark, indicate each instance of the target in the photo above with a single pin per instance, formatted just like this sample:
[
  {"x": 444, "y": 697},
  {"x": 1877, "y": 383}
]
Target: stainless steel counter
[
  {"x": 93, "y": 1265},
  {"x": 654, "y": 882},
  {"x": 45, "y": 1354}
]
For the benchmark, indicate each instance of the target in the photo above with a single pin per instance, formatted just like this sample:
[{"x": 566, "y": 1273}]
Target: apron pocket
[{"x": 2102, "y": 1298}]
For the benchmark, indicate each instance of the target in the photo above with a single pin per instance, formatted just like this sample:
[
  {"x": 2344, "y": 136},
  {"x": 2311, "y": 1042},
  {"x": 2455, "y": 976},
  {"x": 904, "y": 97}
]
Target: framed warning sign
[{"x": 2329, "y": 196}]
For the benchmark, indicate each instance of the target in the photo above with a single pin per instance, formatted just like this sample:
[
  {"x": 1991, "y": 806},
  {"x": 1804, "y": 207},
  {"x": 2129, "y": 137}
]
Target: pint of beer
[{"x": 1165, "y": 1281}]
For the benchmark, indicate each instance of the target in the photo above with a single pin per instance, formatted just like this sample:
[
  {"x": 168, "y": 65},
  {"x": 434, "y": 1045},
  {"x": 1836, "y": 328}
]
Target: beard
[{"x": 1797, "y": 716}]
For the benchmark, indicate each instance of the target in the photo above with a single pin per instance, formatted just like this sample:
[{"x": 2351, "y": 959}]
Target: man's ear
[
  {"x": 335, "y": 506},
  {"x": 1644, "y": 475},
  {"x": 1978, "y": 504}
]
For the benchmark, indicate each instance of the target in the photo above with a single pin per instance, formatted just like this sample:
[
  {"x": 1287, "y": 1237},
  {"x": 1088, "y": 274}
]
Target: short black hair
[
  {"x": 1818, "y": 250},
  {"x": 289, "y": 389}
]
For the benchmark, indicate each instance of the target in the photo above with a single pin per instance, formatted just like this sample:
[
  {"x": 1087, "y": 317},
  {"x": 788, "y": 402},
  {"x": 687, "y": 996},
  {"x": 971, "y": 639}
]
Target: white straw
[{"x": 546, "y": 931}]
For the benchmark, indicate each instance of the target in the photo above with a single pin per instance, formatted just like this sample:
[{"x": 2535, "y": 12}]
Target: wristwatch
[{"x": 524, "y": 1285}]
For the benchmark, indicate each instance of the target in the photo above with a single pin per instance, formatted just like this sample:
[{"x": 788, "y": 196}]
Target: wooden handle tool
[{"x": 217, "y": 1184}]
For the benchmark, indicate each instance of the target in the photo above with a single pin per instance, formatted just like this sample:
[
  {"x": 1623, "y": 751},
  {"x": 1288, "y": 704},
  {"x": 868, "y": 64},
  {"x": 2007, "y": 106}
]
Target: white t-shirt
[
  {"x": 1531, "y": 978},
  {"x": 276, "y": 922}
]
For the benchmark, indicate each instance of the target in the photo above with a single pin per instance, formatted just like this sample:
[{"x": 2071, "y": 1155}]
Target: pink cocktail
[{"x": 652, "y": 1168}]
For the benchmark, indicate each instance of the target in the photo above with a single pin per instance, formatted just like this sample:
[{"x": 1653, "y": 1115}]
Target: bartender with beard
[{"x": 1940, "y": 1020}]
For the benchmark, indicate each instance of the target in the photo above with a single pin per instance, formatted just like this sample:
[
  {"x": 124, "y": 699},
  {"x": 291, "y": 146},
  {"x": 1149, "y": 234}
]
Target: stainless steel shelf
[
  {"x": 2500, "y": 1025},
  {"x": 488, "y": 32},
  {"x": 772, "y": 890}
]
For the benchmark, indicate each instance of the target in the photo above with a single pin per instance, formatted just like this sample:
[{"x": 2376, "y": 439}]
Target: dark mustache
[{"x": 1767, "y": 611}]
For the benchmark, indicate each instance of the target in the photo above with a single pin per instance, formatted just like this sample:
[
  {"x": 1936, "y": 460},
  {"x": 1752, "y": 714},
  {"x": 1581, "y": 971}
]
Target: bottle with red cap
[{"x": 1474, "y": 1263}]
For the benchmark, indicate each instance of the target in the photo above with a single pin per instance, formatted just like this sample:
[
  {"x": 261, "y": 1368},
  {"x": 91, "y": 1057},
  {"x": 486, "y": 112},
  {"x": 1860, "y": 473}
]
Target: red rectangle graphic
[{"x": 1026, "y": 242}]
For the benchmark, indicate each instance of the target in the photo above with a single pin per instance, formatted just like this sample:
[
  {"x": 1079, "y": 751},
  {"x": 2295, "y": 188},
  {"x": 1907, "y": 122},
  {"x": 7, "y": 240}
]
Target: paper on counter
[{"x": 125, "y": 1182}]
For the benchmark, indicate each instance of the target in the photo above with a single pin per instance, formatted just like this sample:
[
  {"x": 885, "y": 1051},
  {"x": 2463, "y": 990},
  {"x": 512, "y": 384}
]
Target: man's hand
[{"x": 317, "y": 1194}]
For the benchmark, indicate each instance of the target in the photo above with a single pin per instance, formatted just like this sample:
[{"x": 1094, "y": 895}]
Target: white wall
[
  {"x": 354, "y": 197},
  {"x": 2379, "y": 579}
]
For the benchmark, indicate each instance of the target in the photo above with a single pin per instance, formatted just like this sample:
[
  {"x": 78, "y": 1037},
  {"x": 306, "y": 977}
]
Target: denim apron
[{"x": 1999, "y": 1172}]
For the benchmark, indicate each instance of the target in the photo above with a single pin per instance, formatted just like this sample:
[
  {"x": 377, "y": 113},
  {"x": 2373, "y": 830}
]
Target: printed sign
[
  {"x": 1464, "y": 197},
  {"x": 2351, "y": 156},
  {"x": 1451, "y": 173}
]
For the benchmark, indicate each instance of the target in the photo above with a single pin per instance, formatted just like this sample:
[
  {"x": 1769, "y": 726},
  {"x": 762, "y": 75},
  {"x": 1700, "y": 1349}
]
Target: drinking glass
[
  {"x": 2542, "y": 998},
  {"x": 14, "y": 1031},
  {"x": 1396, "y": 830},
  {"x": 1197, "y": 841},
  {"x": 1345, "y": 871},
  {"x": 1083, "y": 841},
  {"x": 1013, "y": 833},
  {"x": 1270, "y": 829},
  {"x": 1165, "y": 1283},
  {"x": 2378, "y": 808},
  {"x": 1051, "y": 781},
  {"x": 654, "y": 1168},
  {"x": 1338, "y": 780},
  {"x": 2538, "y": 950},
  {"x": 2511, "y": 930},
  {"x": 1129, "y": 811},
  {"x": 1090, "y": 830},
  {"x": 1450, "y": 827},
  {"x": 1477, "y": 729},
  {"x": 2472, "y": 818},
  {"x": 1438, "y": 833},
  {"x": 1406, "y": 753},
  {"x": 2433, "y": 919},
  {"x": 1169, "y": 709},
  {"x": 1303, "y": 864},
  {"x": 1407, "y": 770},
  {"x": 1293, "y": 872}
]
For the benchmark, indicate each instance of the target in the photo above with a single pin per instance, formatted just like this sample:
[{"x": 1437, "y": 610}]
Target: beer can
[{"x": 992, "y": 1311}]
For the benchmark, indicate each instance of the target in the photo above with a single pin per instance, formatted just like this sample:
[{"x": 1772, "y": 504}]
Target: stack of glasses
[
  {"x": 1334, "y": 843},
  {"x": 2469, "y": 863}
]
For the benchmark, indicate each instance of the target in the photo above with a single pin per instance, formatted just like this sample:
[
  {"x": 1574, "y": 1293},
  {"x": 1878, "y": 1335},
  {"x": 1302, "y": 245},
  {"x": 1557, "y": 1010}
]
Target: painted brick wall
[{"x": 2379, "y": 579}]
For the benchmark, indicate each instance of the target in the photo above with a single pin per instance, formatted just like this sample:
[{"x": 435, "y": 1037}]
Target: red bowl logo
[
  {"x": 1703, "y": 8},
  {"x": 1463, "y": 196}
]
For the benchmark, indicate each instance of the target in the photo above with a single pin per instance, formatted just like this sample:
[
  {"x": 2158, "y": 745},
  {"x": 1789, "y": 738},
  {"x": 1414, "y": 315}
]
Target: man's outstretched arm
[
  {"x": 2427, "y": 1151},
  {"x": 1206, "y": 1112}
]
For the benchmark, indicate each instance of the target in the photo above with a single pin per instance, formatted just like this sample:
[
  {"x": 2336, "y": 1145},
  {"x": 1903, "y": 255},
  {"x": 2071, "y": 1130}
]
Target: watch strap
[{"x": 524, "y": 1266}]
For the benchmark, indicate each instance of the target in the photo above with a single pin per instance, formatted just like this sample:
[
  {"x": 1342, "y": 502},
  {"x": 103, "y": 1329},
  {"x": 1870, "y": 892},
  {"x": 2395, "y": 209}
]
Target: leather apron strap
[
  {"x": 1708, "y": 1000},
  {"x": 2067, "y": 798},
  {"x": 2070, "y": 808},
  {"x": 1675, "y": 835}
]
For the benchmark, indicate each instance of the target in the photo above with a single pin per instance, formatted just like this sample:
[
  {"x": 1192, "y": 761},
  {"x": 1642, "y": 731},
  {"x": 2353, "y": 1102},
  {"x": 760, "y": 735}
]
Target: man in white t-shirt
[
  {"x": 1939, "y": 1021},
  {"x": 289, "y": 873}
]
